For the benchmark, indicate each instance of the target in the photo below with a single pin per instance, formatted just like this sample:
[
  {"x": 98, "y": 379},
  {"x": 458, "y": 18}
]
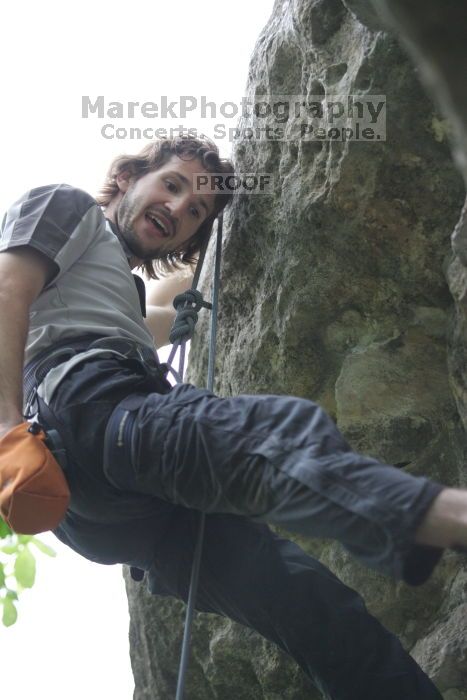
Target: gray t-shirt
[{"x": 93, "y": 290}]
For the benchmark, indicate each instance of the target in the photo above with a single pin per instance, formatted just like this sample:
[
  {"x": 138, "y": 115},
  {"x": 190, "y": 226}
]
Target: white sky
[{"x": 71, "y": 638}]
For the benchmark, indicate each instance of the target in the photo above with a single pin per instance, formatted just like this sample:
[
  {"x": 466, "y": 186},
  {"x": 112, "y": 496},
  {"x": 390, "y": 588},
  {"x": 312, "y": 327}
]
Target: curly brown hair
[{"x": 153, "y": 156}]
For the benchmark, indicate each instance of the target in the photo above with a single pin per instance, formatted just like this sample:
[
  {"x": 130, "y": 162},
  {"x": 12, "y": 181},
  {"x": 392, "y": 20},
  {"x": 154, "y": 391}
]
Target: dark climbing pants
[{"x": 142, "y": 464}]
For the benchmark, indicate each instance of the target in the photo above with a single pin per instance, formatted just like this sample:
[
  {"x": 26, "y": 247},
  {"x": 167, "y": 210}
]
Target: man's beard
[{"x": 127, "y": 209}]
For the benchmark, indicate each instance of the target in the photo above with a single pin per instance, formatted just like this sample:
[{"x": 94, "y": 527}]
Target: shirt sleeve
[{"x": 58, "y": 220}]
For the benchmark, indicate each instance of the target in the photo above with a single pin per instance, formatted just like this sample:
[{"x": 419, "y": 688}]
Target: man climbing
[{"x": 142, "y": 459}]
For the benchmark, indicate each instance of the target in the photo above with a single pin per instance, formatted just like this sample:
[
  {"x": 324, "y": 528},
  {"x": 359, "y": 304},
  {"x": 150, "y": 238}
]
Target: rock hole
[
  {"x": 316, "y": 90},
  {"x": 335, "y": 72}
]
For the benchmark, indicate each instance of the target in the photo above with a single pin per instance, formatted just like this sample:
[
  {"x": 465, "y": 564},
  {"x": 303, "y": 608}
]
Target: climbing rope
[{"x": 188, "y": 305}]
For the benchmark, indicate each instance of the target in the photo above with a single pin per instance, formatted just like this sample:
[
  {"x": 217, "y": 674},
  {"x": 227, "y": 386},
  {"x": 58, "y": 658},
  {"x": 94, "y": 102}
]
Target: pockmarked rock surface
[{"x": 342, "y": 286}]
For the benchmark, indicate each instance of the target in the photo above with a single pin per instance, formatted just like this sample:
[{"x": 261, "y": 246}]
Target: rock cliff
[{"x": 343, "y": 286}]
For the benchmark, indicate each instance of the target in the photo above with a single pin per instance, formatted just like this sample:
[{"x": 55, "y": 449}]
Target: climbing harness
[{"x": 188, "y": 305}]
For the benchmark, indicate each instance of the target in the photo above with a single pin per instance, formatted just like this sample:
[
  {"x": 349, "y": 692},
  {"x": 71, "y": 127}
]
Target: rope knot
[
  {"x": 187, "y": 305},
  {"x": 192, "y": 297}
]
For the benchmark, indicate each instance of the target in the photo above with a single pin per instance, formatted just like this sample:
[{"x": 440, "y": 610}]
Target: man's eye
[
  {"x": 171, "y": 185},
  {"x": 195, "y": 212}
]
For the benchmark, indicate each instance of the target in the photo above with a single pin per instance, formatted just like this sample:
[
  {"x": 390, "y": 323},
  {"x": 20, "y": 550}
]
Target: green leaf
[
  {"x": 2, "y": 576},
  {"x": 45, "y": 549},
  {"x": 12, "y": 594},
  {"x": 25, "y": 568},
  {"x": 9, "y": 612},
  {"x": 4, "y": 529},
  {"x": 9, "y": 549},
  {"x": 24, "y": 539}
]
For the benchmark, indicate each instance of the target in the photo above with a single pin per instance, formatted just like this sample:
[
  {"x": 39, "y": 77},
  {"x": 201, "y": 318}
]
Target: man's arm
[
  {"x": 160, "y": 313},
  {"x": 23, "y": 274}
]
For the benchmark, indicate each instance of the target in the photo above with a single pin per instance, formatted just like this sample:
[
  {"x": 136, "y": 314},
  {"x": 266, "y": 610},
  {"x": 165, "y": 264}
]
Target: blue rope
[{"x": 188, "y": 304}]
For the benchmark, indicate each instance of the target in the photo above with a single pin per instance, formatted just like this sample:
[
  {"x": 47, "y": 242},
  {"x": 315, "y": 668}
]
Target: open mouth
[{"x": 159, "y": 225}]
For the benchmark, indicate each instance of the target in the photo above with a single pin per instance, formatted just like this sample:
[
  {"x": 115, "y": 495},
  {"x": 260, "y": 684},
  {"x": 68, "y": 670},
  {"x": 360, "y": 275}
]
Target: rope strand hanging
[{"x": 188, "y": 305}]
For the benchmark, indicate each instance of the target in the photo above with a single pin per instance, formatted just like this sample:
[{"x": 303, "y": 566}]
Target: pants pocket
[{"x": 118, "y": 460}]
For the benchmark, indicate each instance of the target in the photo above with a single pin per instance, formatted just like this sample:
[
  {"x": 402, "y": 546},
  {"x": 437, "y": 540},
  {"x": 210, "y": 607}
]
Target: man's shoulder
[
  {"x": 48, "y": 216},
  {"x": 59, "y": 192}
]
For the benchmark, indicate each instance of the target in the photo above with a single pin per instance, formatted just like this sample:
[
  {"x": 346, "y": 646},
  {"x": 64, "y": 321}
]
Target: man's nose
[{"x": 178, "y": 206}]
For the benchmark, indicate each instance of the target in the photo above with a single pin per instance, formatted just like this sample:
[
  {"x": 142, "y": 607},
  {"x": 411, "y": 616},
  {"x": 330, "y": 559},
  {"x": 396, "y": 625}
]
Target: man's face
[{"x": 159, "y": 212}]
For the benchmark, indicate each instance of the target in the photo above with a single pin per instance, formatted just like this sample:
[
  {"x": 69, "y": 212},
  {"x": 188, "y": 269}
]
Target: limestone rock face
[
  {"x": 435, "y": 34},
  {"x": 342, "y": 287}
]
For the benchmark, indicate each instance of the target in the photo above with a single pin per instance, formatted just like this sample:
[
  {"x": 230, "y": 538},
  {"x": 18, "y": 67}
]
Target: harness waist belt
[{"x": 36, "y": 370}]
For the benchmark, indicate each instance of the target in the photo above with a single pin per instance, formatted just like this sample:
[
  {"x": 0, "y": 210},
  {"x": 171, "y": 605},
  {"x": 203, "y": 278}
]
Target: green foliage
[
  {"x": 4, "y": 529},
  {"x": 17, "y": 568}
]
